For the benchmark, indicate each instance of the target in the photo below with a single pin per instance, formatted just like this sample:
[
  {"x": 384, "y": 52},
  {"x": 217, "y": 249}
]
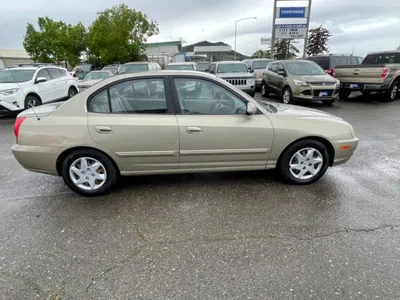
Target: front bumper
[
  {"x": 316, "y": 93},
  {"x": 13, "y": 102},
  {"x": 344, "y": 149}
]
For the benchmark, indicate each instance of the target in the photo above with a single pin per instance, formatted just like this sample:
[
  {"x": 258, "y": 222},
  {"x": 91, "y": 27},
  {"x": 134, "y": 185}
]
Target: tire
[
  {"x": 106, "y": 168},
  {"x": 287, "y": 96},
  {"x": 344, "y": 93},
  {"x": 328, "y": 102},
  {"x": 289, "y": 157},
  {"x": 392, "y": 93},
  {"x": 264, "y": 90},
  {"x": 30, "y": 99},
  {"x": 72, "y": 92}
]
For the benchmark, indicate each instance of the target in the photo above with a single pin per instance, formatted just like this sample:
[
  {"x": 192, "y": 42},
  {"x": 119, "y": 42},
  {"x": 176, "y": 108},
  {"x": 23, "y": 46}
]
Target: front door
[
  {"x": 215, "y": 132},
  {"x": 139, "y": 128},
  {"x": 46, "y": 90}
]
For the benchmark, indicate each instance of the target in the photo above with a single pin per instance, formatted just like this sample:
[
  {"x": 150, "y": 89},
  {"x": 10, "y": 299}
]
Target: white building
[
  {"x": 163, "y": 52},
  {"x": 10, "y": 57}
]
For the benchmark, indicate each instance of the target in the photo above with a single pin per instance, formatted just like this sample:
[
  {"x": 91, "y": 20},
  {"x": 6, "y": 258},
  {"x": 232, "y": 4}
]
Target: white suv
[{"x": 23, "y": 87}]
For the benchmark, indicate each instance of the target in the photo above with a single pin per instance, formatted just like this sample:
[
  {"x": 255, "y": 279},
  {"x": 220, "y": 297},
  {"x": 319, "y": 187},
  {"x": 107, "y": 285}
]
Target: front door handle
[
  {"x": 103, "y": 129},
  {"x": 192, "y": 130}
]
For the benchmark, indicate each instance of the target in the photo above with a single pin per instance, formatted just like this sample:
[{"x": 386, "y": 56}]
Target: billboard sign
[
  {"x": 292, "y": 12},
  {"x": 290, "y": 31}
]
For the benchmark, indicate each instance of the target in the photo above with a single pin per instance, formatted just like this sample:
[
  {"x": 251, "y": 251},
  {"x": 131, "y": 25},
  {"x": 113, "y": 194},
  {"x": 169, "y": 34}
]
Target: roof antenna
[{"x": 30, "y": 104}]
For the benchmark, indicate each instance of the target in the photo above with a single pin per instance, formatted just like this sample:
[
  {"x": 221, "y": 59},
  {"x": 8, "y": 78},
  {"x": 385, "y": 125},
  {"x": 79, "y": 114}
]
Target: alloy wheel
[
  {"x": 393, "y": 93},
  {"x": 32, "y": 102},
  {"x": 306, "y": 163},
  {"x": 286, "y": 96},
  {"x": 88, "y": 173}
]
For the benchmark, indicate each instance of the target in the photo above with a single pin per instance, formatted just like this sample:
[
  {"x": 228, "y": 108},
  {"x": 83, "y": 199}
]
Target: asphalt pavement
[{"x": 211, "y": 236}]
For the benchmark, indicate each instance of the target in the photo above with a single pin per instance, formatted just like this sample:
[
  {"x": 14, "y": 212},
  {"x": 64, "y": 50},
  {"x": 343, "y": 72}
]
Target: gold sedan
[{"x": 170, "y": 122}]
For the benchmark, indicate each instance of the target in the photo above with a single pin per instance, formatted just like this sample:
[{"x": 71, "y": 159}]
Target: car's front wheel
[
  {"x": 264, "y": 90},
  {"x": 287, "y": 96},
  {"x": 31, "y": 101},
  {"x": 344, "y": 93},
  {"x": 304, "y": 162},
  {"x": 89, "y": 172},
  {"x": 72, "y": 92}
]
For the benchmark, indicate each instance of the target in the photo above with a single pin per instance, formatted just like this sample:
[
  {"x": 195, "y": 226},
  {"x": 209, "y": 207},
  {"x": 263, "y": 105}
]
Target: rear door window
[
  {"x": 54, "y": 73},
  {"x": 44, "y": 73}
]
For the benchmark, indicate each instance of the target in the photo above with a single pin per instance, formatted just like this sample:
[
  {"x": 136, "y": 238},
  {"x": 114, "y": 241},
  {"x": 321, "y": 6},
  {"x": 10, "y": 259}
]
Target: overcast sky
[{"x": 368, "y": 25}]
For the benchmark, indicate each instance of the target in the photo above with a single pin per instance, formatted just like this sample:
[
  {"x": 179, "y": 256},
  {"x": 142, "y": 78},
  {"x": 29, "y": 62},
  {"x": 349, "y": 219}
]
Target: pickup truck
[{"x": 378, "y": 72}]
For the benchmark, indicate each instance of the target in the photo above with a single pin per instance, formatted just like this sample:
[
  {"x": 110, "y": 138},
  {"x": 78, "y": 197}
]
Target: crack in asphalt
[{"x": 206, "y": 239}]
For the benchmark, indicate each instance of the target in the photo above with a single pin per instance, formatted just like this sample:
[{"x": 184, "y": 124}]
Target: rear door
[
  {"x": 215, "y": 132},
  {"x": 139, "y": 128},
  {"x": 59, "y": 83}
]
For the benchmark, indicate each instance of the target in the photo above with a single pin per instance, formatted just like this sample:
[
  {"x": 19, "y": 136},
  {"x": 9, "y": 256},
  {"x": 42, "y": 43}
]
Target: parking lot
[{"x": 211, "y": 236}]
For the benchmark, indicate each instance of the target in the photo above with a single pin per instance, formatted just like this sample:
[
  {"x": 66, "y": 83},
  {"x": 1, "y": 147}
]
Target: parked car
[
  {"x": 299, "y": 80},
  {"x": 236, "y": 73},
  {"x": 328, "y": 62},
  {"x": 203, "y": 66},
  {"x": 112, "y": 68},
  {"x": 378, "y": 72},
  {"x": 135, "y": 67},
  {"x": 183, "y": 66},
  {"x": 258, "y": 66},
  {"x": 21, "y": 88},
  {"x": 80, "y": 71},
  {"x": 113, "y": 131},
  {"x": 93, "y": 78}
]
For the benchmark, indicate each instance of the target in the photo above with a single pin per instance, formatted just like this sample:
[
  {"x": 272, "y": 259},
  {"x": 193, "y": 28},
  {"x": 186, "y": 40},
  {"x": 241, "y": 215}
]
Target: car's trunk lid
[{"x": 41, "y": 111}]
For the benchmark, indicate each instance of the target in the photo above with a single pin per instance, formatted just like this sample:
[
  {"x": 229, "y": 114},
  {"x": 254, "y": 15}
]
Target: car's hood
[
  {"x": 89, "y": 82},
  {"x": 235, "y": 75},
  {"x": 317, "y": 78},
  {"x": 9, "y": 86},
  {"x": 303, "y": 112}
]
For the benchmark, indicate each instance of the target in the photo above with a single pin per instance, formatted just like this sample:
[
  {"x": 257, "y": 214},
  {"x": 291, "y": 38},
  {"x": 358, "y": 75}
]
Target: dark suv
[{"x": 328, "y": 62}]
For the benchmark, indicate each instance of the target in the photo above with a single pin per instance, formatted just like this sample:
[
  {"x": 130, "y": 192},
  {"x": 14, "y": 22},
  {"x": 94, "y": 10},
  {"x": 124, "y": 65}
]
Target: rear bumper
[
  {"x": 37, "y": 159},
  {"x": 344, "y": 149},
  {"x": 355, "y": 86}
]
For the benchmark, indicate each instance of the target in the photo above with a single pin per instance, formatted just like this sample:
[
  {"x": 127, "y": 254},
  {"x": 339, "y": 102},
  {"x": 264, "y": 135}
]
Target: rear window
[
  {"x": 382, "y": 58},
  {"x": 340, "y": 60},
  {"x": 323, "y": 61},
  {"x": 134, "y": 68},
  {"x": 180, "y": 67}
]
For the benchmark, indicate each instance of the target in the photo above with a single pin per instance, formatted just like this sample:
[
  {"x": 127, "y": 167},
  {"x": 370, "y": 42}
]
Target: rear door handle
[
  {"x": 103, "y": 129},
  {"x": 192, "y": 130}
]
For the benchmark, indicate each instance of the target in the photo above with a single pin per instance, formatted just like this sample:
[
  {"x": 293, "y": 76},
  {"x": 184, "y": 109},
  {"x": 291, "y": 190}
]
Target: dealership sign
[
  {"x": 292, "y": 12},
  {"x": 290, "y": 31}
]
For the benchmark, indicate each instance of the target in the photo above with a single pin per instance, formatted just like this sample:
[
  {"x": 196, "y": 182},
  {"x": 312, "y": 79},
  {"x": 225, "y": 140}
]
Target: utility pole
[{"x": 273, "y": 29}]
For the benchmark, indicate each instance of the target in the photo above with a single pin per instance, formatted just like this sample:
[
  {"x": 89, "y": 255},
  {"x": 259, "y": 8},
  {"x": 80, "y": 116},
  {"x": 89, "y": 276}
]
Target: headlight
[
  {"x": 9, "y": 92},
  {"x": 251, "y": 81},
  {"x": 337, "y": 83},
  {"x": 300, "y": 83}
]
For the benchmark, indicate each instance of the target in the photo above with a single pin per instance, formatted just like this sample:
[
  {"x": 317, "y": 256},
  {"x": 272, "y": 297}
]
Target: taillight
[
  {"x": 17, "y": 125},
  {"x": 329, "y": 71},
  {"x": 385, "y": 73}
]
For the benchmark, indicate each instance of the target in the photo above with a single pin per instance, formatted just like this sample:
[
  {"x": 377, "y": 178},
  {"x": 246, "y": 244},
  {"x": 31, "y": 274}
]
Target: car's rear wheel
[
  {"x": 392, "y": 93},
  {"x": 72, "y": 92},
  {"x": 304, "y": 162},
  {"x": 287, "y": 96},
  {"x": 344, "y": 93},
  {"x": 89, "y": 172},
  {"x": 31, "y": 101},
  {"x": 264, "y": 90}
]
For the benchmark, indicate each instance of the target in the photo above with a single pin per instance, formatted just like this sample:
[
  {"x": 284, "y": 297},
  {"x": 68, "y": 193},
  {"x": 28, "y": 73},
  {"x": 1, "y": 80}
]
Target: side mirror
[
  {"x": 281, "y": 72},
  {"x": 251, "y": 70},
  {"x": 251, "y": 109},
  {"x": 41, "y": 79}
]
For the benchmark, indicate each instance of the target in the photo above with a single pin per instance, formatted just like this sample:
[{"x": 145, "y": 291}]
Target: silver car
[{"x": 236, "y": 73}]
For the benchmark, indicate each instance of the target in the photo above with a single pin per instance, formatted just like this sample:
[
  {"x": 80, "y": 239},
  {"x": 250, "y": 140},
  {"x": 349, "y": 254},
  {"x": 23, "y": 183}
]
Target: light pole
[{"x": 237, "y": 21}]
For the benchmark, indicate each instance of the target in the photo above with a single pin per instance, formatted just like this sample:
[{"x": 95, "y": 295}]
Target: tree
[
  {"x": 317, "y": 41},
  {"x": 118, "y": 35},
  {"x": 55, "y": 42},
  {"x": 262, "y": 54},
  {"x": 284, "y": 49}
]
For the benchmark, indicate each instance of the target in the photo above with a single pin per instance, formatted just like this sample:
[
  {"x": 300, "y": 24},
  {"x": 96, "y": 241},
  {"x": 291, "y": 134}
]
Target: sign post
[{"x": 291, "y": 22}]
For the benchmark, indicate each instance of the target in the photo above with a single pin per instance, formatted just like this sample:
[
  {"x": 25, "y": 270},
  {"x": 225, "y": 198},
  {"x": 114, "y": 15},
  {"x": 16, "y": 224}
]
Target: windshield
[
  {"x": 232, "y": 68},
  {"x": 260, "y": 64},
  {"x": 304, "y": 68},
  {"x": 134, "y": 68},
  {"x": 84, "y": 68},
  {"x": 203, "y": 66},
  {"x": 11, "y": 76},
  {"x": 97, "y": 75},
  {"x": 179, "y": 67}
]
